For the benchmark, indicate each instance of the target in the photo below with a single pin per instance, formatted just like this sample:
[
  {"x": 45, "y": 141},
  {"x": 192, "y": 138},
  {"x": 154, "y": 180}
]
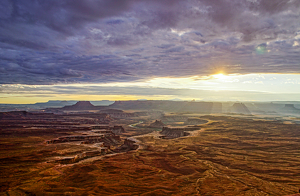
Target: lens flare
[{"x": 261, "y": 49}]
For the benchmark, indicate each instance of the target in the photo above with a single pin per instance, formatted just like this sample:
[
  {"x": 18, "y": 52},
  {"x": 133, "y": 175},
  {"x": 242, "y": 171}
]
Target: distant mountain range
[
  {"x": 49, "y": 104},
  {"x": 285, "y": 108}
]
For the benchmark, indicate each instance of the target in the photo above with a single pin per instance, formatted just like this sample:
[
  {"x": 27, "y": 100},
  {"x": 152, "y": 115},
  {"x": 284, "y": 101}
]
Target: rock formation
[
  {"x": 81, "y": 105},
  {"x": 290, "y": 108},
  {"x": 175, "y": 132},
  {"x": 239, "y": 108},
  {"x": 129, "y": 144},
  {"x": 157, "y": 124}
]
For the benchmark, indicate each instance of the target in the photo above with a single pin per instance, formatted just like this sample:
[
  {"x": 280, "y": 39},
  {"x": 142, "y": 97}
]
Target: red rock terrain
[{"x": 227, "y": 156}]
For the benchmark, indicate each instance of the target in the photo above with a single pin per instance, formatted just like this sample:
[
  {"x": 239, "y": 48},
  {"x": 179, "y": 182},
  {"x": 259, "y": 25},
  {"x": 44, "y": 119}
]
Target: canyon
[{"x": 148, "y": 152}]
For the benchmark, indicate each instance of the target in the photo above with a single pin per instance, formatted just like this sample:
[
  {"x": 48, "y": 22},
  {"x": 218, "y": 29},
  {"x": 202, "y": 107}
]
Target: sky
[{"x": 207, "y": 50}]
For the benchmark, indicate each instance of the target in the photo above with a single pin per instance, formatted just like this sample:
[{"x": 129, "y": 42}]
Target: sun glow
[
  {"x": 269, "y": 86},
  {"x": 219, "y": 76}
]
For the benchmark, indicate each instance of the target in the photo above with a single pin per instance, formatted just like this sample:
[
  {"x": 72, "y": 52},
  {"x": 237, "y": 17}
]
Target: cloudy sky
[{"x": 237, "y": 50}]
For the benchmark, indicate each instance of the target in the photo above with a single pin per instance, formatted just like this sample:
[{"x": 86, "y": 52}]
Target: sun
[{"x": 219, "y": 76}]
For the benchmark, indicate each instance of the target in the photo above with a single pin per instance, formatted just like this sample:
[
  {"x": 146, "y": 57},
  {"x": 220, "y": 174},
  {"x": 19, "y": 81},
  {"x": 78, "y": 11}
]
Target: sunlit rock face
[{"x": 239, "y": 108}]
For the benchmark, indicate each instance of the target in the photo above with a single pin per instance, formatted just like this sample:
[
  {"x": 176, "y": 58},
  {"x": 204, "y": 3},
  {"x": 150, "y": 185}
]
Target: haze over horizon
[{"x": 210, "y": 50}]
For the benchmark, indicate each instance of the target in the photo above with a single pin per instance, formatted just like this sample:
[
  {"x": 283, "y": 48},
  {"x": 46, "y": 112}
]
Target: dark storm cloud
[
  {"x": 274, "y": 6},
  {"x": 70, "y": 41},
  {"x": 61, "y": 14}
]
